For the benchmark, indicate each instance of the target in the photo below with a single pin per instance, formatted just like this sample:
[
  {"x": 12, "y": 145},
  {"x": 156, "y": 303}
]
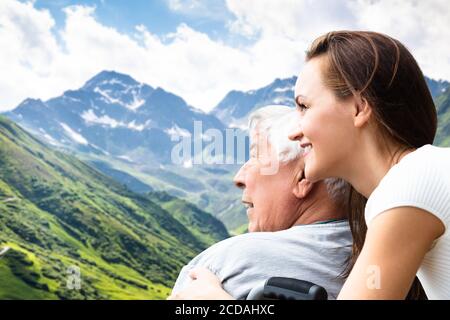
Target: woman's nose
[{"x": 296, "y": 134}]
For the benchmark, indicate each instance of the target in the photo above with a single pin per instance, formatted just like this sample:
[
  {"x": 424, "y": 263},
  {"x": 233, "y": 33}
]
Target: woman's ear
[
  {"x": 302, "y": 188},
  {"x": 362, "y": 113}
]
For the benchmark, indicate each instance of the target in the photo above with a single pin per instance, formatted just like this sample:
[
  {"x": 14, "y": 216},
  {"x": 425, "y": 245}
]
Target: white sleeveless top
[{"x": 421, "y": 179}]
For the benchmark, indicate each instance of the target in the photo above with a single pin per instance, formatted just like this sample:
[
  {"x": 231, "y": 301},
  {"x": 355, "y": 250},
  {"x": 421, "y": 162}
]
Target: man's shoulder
[
  {"x": 252, "y": 237},
  {"x": 245, "y": 239},
  {"x": 243, "y": 242},
  {"x": 299, "y": 233},
  {"x": 270, "y": 243},
  {"x": 246, "y": 242}
]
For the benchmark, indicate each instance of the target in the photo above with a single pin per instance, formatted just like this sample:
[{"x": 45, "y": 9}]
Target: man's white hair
[{"x": 274, "y": 123}]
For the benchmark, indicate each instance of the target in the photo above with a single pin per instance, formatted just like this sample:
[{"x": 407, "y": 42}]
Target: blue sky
[
  {"x": 197, "y": 49},
  {"x": 159, "y": 16}
]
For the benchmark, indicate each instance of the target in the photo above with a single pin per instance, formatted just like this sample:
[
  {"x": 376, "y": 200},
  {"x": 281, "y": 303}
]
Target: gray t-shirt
[{"x": 316, "y": 252}]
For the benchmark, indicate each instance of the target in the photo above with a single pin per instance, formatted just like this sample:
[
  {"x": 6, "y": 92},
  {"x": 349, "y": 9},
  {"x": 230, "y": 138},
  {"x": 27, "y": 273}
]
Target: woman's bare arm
[{"x": 396, "y": 243}]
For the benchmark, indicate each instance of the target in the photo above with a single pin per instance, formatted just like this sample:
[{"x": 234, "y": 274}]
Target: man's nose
[{"x": 239, "y": 178}]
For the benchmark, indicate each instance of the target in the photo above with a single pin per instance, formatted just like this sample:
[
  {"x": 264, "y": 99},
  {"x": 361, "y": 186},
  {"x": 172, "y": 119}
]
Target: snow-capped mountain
[
  {"x": 113, "y": 114},
  {"x": 234, "y": 109}
]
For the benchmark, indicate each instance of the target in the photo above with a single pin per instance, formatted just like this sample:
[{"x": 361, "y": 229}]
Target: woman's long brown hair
[{"x": 379, "y": 69}]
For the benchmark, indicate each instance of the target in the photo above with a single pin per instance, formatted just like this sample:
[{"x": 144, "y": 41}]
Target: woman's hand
[{"x": 205, "y": 285}]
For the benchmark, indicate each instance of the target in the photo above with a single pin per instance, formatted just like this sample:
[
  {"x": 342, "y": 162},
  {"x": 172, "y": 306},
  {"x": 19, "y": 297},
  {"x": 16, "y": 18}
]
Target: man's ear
[
  {"x": 362, "y": 112},
  {"x": 302, "y": 188}
]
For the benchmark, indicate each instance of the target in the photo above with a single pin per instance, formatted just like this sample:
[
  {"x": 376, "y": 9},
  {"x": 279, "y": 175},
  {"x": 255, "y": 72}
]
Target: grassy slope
[
  {"x": 443, "y": 108},
  {"x": 215, "y": 192},
  {"x": 203, "y": 225},
  {"x": 57, "y": 212}
]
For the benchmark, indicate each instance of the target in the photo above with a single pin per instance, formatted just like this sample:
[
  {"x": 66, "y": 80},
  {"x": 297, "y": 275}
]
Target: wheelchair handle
[{"x": 279, "y": 288}]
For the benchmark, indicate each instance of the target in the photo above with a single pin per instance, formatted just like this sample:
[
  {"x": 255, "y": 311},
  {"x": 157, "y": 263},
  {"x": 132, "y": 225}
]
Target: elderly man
[{"x": 297, "y": 229}]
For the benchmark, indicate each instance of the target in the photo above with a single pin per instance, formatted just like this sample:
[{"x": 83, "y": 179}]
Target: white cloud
[
  {"x": 293, "y": 19},
  {"x": 40, "y": 62},
  {"x": 27, "y": 46},
  {"x": 423, "y": 26}
]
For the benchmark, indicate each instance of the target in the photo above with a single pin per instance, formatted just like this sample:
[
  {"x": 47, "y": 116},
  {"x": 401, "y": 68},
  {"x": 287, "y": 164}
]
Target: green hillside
[
  {"x": 204, "y": 226},
  {"x": 57, "y": 212},
  {"x": 210, "y": 188},
  {"x": 443, "y": 109}
]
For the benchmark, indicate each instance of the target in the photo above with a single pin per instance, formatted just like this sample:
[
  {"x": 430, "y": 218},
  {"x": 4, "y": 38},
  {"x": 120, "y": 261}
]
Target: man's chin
[{"x": 251, "y": 227}]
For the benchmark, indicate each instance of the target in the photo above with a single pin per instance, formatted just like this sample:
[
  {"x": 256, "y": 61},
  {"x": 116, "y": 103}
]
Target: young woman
[{"x": 367, "y": 116}]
